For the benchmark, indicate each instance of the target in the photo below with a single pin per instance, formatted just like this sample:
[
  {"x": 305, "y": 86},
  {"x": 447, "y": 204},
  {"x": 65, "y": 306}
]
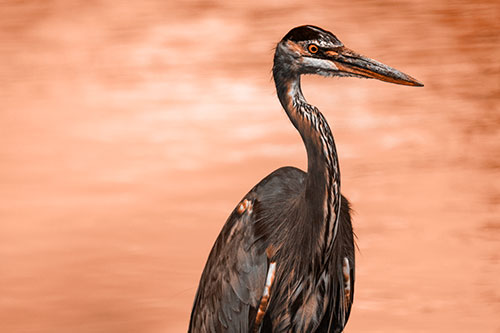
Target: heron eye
[{"x": 312, "y": 48}]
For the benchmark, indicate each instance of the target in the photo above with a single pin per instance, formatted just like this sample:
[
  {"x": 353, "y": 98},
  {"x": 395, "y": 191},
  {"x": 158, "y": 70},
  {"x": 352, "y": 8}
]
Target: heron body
[{"x": 284, "y": 260}]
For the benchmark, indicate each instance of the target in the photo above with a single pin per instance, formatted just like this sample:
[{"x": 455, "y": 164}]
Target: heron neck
[{"x": 322, "y": 192}]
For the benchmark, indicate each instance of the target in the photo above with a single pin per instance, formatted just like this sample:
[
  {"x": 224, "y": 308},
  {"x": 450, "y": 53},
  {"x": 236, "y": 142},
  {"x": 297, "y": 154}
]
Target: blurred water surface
[{"x": 130, "y": 130}]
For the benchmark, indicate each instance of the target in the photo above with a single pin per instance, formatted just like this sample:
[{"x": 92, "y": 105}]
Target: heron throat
[{"x": 322, "y": 191}]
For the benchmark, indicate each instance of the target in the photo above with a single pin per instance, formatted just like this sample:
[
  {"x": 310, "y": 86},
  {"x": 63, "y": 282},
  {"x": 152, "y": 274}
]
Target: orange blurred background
[{"x": 131, "y": 129}]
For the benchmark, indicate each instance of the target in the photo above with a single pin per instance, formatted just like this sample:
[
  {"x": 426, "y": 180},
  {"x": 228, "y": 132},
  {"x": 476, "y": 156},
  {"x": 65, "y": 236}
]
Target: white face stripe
[
  {"x": 316, "y": 63},
  {"x": 326, "y": 44},
  {"x": 326, "y": 38}
]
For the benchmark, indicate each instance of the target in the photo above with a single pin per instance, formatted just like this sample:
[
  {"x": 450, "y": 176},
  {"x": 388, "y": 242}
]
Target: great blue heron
[{"x": 284, "y": 260}]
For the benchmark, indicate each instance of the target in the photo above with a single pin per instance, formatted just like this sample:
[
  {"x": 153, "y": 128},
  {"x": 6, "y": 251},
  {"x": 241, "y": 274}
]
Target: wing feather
[{"x": 233, "y": 279}]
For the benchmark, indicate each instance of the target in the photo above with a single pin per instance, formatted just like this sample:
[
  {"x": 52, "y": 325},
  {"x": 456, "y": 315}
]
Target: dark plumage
[
  {"x": 284, "y": 260},
  {"x": 305, "y": 33}
]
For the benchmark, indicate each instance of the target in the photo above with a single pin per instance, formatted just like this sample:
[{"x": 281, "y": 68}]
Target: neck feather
[{"x": 322, "y": 192}]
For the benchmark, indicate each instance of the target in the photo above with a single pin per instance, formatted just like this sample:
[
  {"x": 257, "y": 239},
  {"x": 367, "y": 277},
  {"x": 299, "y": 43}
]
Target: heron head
[{"x": 311, "y": 50}]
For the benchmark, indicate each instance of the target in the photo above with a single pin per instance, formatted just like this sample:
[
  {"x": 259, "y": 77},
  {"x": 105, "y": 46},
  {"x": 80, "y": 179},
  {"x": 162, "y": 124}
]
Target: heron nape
[{"x": 284, "y": 260}]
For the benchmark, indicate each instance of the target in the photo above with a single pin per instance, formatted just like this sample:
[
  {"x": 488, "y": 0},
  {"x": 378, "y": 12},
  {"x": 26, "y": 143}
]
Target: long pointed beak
[{"x": 349, "y": 62}]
